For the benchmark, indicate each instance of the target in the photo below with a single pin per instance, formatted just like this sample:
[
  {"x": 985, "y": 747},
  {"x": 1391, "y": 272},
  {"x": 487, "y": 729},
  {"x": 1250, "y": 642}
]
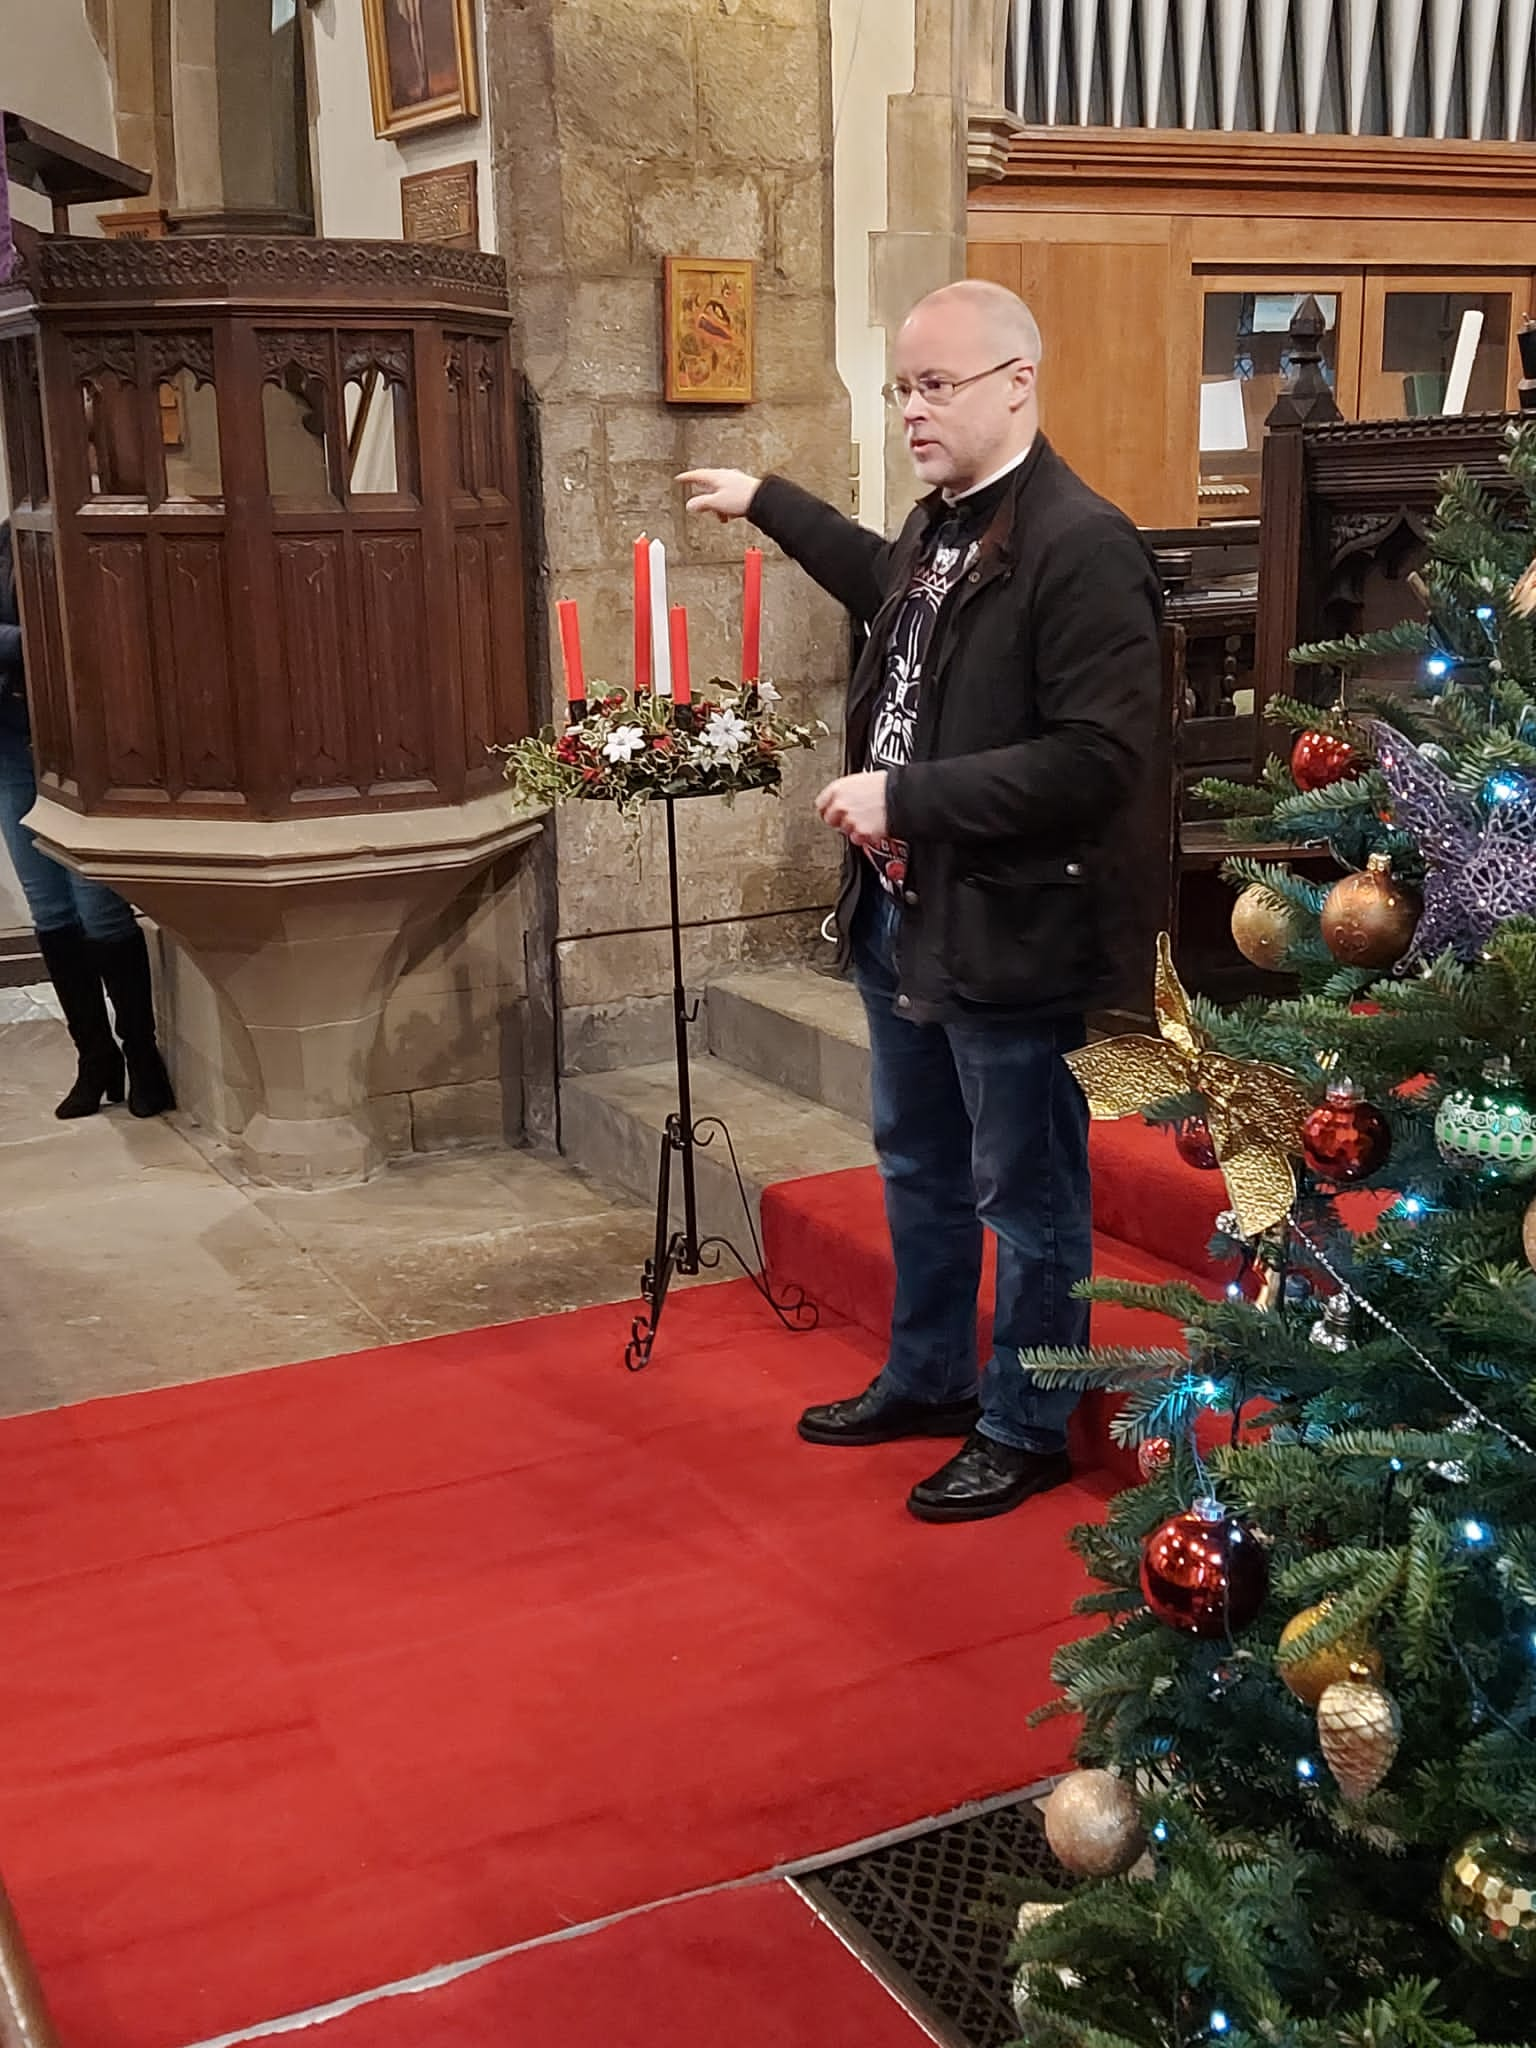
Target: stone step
[
  {"x": 802, "y": 1031},
  {"x": 611, "y": 1128}
]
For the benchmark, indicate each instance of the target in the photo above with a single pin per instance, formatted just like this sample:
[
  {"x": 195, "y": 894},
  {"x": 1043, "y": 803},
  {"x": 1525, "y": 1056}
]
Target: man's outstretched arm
[{"x": 846, "y": 559}]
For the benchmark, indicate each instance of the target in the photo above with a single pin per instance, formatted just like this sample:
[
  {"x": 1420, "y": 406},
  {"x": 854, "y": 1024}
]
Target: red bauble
[
  {"x": 1204, "y": 1571},
  {"x": 1346, "y": 1138},
  {"x": 1193, "y": 1142},
  {"x": 1318, "y": 759},
  {"x": 1152, "y": 1454}
]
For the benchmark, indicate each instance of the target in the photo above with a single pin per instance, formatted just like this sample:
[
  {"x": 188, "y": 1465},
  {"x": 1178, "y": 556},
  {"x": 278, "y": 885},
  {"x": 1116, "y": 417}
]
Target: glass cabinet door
[
  {"x": 1414, "y": 328},
  {"x": 1245, "y": 360}
]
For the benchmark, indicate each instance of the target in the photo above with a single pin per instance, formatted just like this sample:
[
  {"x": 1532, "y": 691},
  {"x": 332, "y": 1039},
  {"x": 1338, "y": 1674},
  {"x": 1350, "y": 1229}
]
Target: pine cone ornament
[{"x": 1359, "y": 1729}]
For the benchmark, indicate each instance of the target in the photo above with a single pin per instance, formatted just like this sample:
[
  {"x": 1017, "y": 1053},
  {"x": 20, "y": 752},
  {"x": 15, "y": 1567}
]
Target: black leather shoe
[
  {"x": 876, "y": 1418},
  {"x": 985, "y": 1478}
]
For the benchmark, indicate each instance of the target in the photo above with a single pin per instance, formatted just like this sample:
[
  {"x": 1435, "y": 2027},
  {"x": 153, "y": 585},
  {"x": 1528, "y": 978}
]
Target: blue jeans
[
  {"x": 977, "y": 1123},
  {"x": 57, "y": 898}
]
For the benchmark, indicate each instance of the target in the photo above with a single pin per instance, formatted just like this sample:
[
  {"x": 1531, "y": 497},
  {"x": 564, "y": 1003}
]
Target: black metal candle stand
[{"x": 683, "y": 1250}]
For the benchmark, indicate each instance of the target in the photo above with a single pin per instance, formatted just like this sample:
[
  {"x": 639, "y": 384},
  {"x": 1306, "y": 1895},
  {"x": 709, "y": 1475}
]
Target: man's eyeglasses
[{"x": 938, "y": 390}]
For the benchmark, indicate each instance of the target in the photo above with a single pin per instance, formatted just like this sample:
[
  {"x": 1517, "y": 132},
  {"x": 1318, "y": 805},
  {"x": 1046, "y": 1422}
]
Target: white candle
[
  {"x": 1461, "y": 363},
  {"x": 661, "y": 642}
]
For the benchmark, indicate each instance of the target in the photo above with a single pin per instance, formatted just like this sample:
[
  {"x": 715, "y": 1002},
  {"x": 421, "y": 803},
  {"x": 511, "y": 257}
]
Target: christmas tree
[{"x": 1306, "y": 1809}]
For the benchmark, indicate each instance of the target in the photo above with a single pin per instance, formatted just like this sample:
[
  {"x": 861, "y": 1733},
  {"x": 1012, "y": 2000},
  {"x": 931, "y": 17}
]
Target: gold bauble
[
  {"x": 1359, "y": 1728},
  {"x": 1093, "y": 1823},
  {"x": 1528, "y": 1234},
  {"x": 1262, "y": 926},
  {"x": 1368, "y": 920},
  {"x": 1310, "y": 1676}
]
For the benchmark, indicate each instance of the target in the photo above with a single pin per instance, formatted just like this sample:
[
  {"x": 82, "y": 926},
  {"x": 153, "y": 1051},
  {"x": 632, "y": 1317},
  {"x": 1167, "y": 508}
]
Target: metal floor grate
[{"x": 910, "y": 1910}]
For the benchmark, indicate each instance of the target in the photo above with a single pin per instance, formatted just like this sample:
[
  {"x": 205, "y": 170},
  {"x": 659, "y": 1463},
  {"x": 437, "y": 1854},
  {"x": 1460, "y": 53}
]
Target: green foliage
[{"x": 1394, "y": 1481}]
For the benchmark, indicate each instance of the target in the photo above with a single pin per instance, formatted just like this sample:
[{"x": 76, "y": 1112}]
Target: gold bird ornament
[{"x": 1254, "y": 1111}]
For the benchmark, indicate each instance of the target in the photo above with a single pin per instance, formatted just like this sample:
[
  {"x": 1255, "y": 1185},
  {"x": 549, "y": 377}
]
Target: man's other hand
[
  {"x": 855, "y": 806},
  {"x": 725, "y": 492}
]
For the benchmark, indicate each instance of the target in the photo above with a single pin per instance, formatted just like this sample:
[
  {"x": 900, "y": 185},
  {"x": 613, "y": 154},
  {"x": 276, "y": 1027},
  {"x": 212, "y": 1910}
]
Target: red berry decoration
[
  {"x": 1152, "y": 1454},
  {"x": 1346, "y": 1138},
  {"x": 1192, "y": 1141},
  {"x": 1318, "y": 759},
  {"x": 1204, "y": 1572}
]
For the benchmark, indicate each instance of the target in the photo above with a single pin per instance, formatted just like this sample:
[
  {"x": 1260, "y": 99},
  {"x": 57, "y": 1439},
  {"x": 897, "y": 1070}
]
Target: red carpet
[
  {"x": 320, "y": 1677},
  {"x": 751, "y": 1968}
]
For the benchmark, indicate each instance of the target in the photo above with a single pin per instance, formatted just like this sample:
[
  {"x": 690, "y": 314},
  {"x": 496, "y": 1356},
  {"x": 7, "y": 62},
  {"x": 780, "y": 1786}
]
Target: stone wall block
[
  {"x": 613, "y": 339},
  {"x": 690, "y": 213},
  {"x": 641, "y": 433},
  {"x": 760, "y": 92},
  {"x": 469, "y": 1113},
  {"x": 794, "y": 345},
  {"x": 596, "y": 211},
  {"x": 622, "y": 71},
  {"x": 802, "y": 231},
  {"x": 927, "y": 152}
]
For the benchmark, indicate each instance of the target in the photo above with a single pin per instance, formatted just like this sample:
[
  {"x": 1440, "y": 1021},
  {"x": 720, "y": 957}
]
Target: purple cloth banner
[{"x": 7, "y": 248}]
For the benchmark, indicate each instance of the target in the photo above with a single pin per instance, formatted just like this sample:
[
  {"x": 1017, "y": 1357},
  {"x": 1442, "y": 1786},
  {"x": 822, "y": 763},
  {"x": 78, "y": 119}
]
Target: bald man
[{"x": 998, "y": 722}]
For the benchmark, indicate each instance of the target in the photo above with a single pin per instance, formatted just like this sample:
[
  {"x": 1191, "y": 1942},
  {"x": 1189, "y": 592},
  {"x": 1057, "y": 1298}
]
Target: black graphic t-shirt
[{"x": 951, "y": 547}]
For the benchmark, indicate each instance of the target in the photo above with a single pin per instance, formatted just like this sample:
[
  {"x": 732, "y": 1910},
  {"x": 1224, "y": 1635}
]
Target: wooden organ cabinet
[{"x": 1165, "y": 269}]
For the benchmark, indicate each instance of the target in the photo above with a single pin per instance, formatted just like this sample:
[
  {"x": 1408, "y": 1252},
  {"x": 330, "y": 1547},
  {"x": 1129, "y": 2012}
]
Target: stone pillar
[
  {"x": 136, "y": 37},
  {"x": 923, "y": 245},
  {"x": 620, "y": 135},
  {"x": 235, "y": 98}
]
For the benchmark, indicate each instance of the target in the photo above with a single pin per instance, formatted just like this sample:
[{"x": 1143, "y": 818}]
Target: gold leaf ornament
[{"x": 1254, "y": 1111}]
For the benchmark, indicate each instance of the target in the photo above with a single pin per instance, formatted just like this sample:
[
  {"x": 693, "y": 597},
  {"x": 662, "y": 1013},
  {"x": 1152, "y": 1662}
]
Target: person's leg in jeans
[
  {"x": 923, "y": 1140},
  {"x": 1030, "y": 1166},
  {"x": 49, "y": 889}
]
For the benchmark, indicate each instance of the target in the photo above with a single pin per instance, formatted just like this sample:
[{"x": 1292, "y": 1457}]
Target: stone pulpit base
[{"x": 301, "y": 928}]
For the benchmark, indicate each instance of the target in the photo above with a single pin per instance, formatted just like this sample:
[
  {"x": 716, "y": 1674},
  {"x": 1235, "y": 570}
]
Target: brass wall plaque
[{"x": 442, "y": 206}]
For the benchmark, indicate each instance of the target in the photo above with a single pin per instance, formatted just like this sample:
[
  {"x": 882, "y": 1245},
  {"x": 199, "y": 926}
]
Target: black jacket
[
  {"x": 13, "y": 684},
  {"x": 1037, "y": 716}
]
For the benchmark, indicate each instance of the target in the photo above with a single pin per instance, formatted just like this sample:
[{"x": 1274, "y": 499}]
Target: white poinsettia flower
[
  {"x": 624, "y": 742},
  {"x": 767, "y": 694},
  {"x": 725, "y": 733}
]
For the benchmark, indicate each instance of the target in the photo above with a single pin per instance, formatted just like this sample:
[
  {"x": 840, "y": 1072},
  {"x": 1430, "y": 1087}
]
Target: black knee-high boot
[
  {"x": 124, "y": 965},
  {"x": 72, "y": 967}
]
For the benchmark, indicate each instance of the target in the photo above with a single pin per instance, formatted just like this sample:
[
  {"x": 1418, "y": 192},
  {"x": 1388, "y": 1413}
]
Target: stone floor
[{"x": 132, "y": 1254}]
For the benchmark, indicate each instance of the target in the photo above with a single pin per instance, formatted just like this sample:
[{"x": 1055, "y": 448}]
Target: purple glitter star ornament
[{"x": 1482, "y": 868}]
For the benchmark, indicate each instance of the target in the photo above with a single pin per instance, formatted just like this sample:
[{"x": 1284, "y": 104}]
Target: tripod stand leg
[{"x": 659, "y": 1267}]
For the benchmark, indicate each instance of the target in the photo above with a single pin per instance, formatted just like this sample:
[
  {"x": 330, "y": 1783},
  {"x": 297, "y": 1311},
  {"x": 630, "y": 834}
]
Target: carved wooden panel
[
  {"x": 475, "y": 651},
  {"x": 256, "y": 606},
  {"x": 121, "y": 674},
  {"x": 186, "y": 349},
  {"x": 504, "y": 588},
  {"x": 314, "y": 629},
  {"x": 200, "y": 635},
  {"x": 37, "y": 580},
  {"x": 21, "y": 408},
  {"x": 395, "y": 652}
]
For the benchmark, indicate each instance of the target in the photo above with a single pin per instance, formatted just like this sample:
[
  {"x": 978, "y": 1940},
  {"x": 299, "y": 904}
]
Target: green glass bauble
[
  {"x": 1488, "y": 1896},
  {"x": 1491, "y": 1132}
]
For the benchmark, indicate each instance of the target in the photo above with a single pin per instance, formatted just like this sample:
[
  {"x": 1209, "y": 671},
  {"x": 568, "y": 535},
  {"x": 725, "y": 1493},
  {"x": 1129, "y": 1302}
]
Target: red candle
[
  {"x": 752, "y": 617},
  {"x": 677, "y": 632},
  {"x": 570, "y": 649},
  {"x": 642, "y": 615}
]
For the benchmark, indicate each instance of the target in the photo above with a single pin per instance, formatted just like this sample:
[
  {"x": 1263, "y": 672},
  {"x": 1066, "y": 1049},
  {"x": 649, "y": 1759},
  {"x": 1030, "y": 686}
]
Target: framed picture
[
  {"x": 421, "y": 63},
  {"x": 708, "y": 324}
]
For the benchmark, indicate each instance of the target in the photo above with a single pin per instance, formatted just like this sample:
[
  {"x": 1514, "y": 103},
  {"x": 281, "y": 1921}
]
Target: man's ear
[{"x": 1021, "y": 386}]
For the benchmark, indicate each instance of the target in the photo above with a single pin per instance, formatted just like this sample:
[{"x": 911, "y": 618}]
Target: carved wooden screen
[
  {"x": 287, "y": 517},
  {"x": 1346, "y": 505}
]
